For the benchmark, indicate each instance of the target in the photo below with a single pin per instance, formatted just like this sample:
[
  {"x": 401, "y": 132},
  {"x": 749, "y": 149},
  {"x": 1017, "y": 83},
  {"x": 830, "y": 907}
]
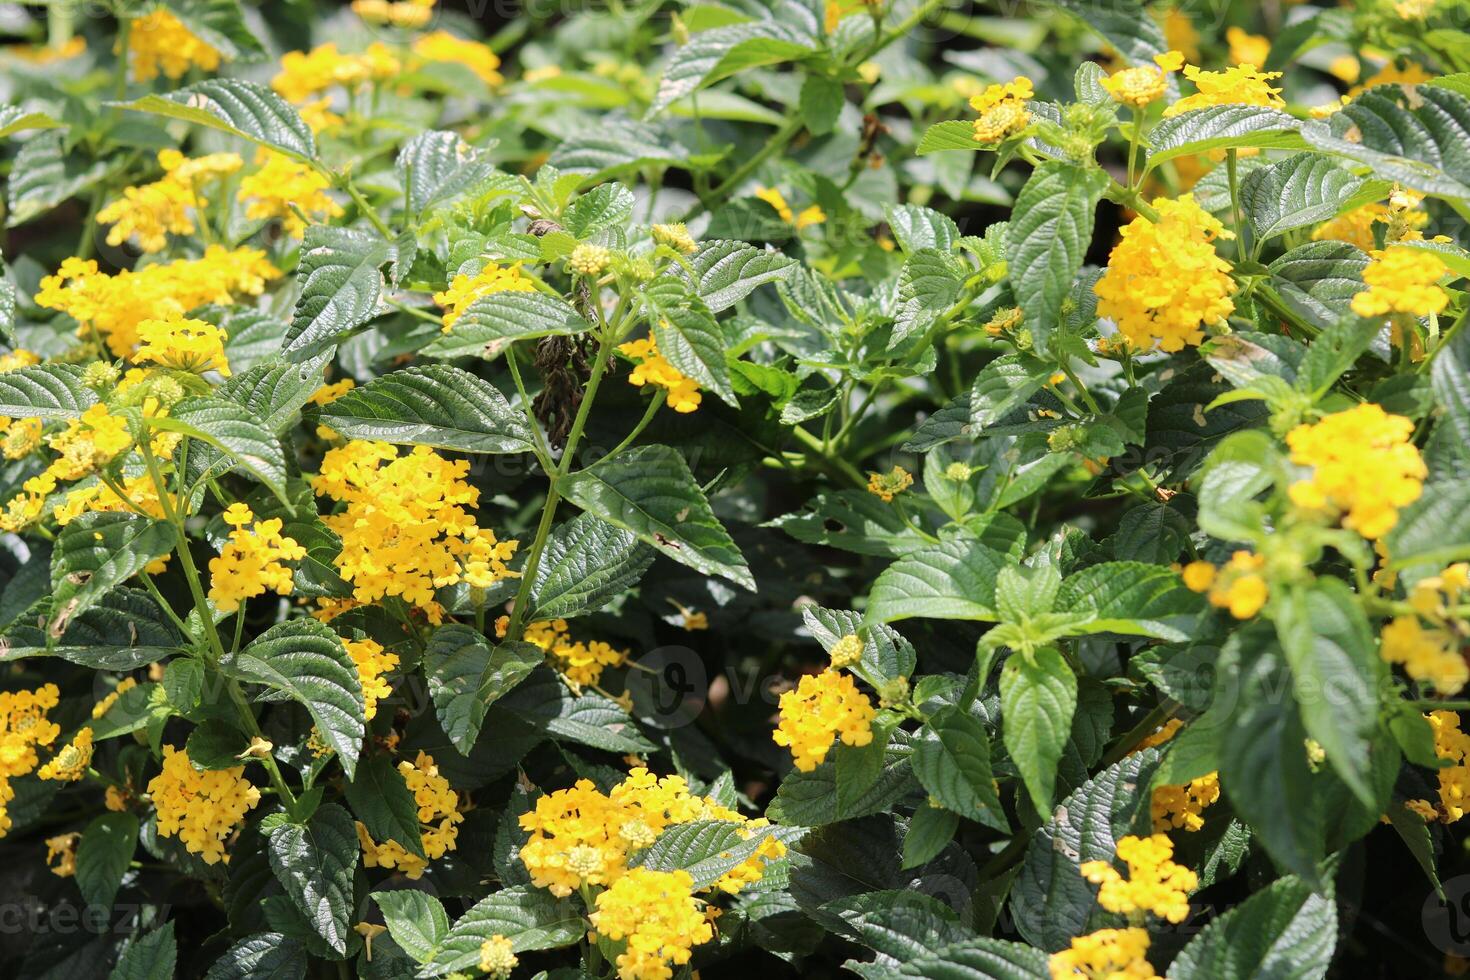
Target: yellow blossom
[
  {"x": 823, "y": 707},
  {"x": 305, "y": 74},
  {"x": 250, "y": 562},
  {"x": 653, "y": 368},
  {"x": 675, "y": 236},
  {"x": 1164, "y": 281},
  {"x": 1183, "y": 806},
  {"x": 286, "y": 189},
  {"x": 656, "y": 913},
  {"x": 1413, "y": 9},
  {"x": 1241, "y": 85},
  {"x": 886, "y": 486},
  {"x": 105, "y": 705},
  {"x": 1402, "y": 280},
  {"x": 373, "y": 664},
  {"x": 187, "y": 345},
  {"x": 1002, "y": 110},
  {"x": 61, "y": 854},
  {"x": 23, "y": 726},
  {"x": 1155, "y": 884},
  {"x": 1392, "y": 74},
  {"x": 329, "y": 393},
  {"x": 1363, "y": 465},
  {"x": 402, "y": 13},
  {"x": 1452, "y": 745},
  {"x": 580, "y": 663},
  {"x": 441, "y": 46},
  {"x": 70, "y": 764},
  {"x": 22, "y": 436},
  {"x": 812, "y": 215},
  {"x": 846, "y": 651},
  {"x": 1238, "y": 586},
  {"x": 497, "y": 957},
  {"x": 439, "y": 817},
  {"x": 1107, "y": 954},
  {"x": 1246, "y": 48},
  {"x": 201, "y": 808},
  {"x": 1143, "y": 84},
  {"x": 159, "y": 42},
  {"x": 1431, "y": 655},
  {"x": 464, "y": 290}
]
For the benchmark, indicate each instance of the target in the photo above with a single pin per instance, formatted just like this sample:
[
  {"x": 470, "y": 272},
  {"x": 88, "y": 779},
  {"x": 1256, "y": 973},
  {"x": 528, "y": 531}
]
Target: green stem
[
  {"x": 776, "y": 143},
  {"x": 1232, "y": 171},
  {"x": 124, "y": 37},
  {"x": 1081, "y": 388},
  {"x": 1146, "y": 727},
  {"x": 836, "y": 462},
  {"x": 653, "y": 406},
  {"x": 367, "y": 210}
]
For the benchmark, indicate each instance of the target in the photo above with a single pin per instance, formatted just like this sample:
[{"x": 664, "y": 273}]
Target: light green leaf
[
  {"x": 238, "y": 107},
  {"x": 1294, "y": 193},
  {"x": 232, "y": 430},
  {"x": 952, "y": 134},
  {"x": 14, "y": 119},
  {"x": 916, "y": 227},
  {"x": 715, "y": 54},
  {"x": 45, "y": 173},
  {"x": 952, "y": 761},
  {"x": 1222, "y": 127},
  {"x": 315, "y": 862},
  {"x": 1131, "y": 598},
  {"x": 605, "y": 206},
  {"x": 45, "y": 391},
  {"x": 531, "y": 918},
  {"x": 305, "y": 660},
  {"x": 1038, "y": 696},
  {"x": 687, "y": 335},
  {"x": 1004, "y": 385},
  {"x": 1047, "y": 238},
  {"x": 491, "y": 322},
  {"x": 341, "y": 284},
  {"x": 725, "y": 272},
  {"x": 435, "y": 405},
  {"x": 953, "y": 580},
  {"x": 587, "y": 563},
  {"x": 650, "y": 491},
  {"x": 436, "y": 166},
  {"x": 928, "y": 286},
  {"x": 416, "y": 920},
  {"x": 94, "y": 554},
  {"x": 275, "y": 392}
]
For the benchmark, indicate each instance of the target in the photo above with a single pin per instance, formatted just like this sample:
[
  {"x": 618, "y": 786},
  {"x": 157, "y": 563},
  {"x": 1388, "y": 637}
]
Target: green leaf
[
  {"x": 1223, "y": 127},
  {"x": 900, "y": 925},
  {"x": 980, "y": 958},
  {"x": 380, "y": 798},
  {"x": 416, "y": 920},
  {"x": 952, "y": 134},
  {"x": 1051, "y": 902},
  {"x": 94, "y": 554},
  {"x": 1263, "y": 762},
  {"x": 14, "y": 119},
  {"x": 586, "y": 564},
  {"x": 617, "y": 146},
  {"x": 725, "y": 272},
  {"x": 1334, "y": 352},
  {"x": 214, "y": 744},
  {"x": 341, "y": 286},
  {"x": 587, "y": 719},
  {"x": 708, "y": 849},
  {"x": 1048, "y": 236},
  {"x": 952, "y": 761},
  {"x": 1294, "y": 193},
  {"x": 811, "y": 799},
  {"x": 435, "y": 405},
  {"x": 437, "y": 166},
  {"x": 930, "y": 830},
  {"x": 650, "y": 491},
  {"x": 1336, "y": 672},
  {"x": 719, "y": 53},
  {"x": 1318, "y": 280},
  {"x": 275, "y": 392},
  {"x": 927, "y": 287},
  {"x": 687, "y": 335},
  {"x": 103, "y": 855},
  {"x": 466, "y": 675},
  {"x": 604, "y": 206},
  {"x": 267, "y": 955},
  {"x": 1126, "y": 25},
  {"x": 1410, "y": 135},
  {"x": 916, "y": 227},
  {"x": 1038, "y": 696},
  {"x": 953, "y": 580},
  {"x": 238, "y": 107},
  {"x": 151, "y": 956},
  {"x": 305, "y": 660},
  {"x": 125, "y": 629},
  {"x": 45, "y": 391},
  {"x": 853, "y": 520},
  {"x": 315, "y": 862},
  {"x": 531, "y": 918},
  {"x": 1131, "y": 598},
  {"x": 220, "y": 24},
  {"x": 822, "y": 99},
  {"x": 45, "y": 174},
  {"x": 491, "y": 322},
  {"x": 1240, "y": 468},
  {"x": 233, "y": 430},
  {"x": 1285, "y": 930},
  {"x": 1004, "y": 385},
  {"x": 886, "y": 654}
]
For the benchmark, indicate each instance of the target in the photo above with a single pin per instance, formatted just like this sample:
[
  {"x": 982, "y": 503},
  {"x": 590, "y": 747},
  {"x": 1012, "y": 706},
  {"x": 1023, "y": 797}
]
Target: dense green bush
[{"x": 915, "y": 488}]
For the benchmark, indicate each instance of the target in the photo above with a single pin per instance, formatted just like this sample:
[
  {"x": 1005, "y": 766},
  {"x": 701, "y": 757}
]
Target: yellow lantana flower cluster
[
  {"x": 115, "y": 305},
  {"x": 70, "y": 764},
  {"x": 1141, "y": 85},
  {"x": 439, "y": 819},
  {"x": 1155, "y": 884},
  {"x": 159, "y": 42},
  {"x": 373, "y": 664},
  {"x": 1164, "y": 281},
  {"x": 823, "y": 707},
  {"x": 581, "y": 663},
  {"x": 1107, "y": 954},
  {"x": 398, "y": 13},
  {"x": 85, "y": 445},
  {"x": 1238, "y": 586},
  {"x": 1363, "y": 464},
  {"x": 498, "y": 958},
  {"x": 250, "y": 563},
  {"x": 405, "y": 530},
  {"x": 201, "y": 808},
  {"x": 286, "y": 189},
  {"x": 103, "y": 706},
  {"x": 886, "y": 486},
  {"x": 23, "y": 726},
  {"x": 148, "y": 213},
  {"x": 1452, "y": 745},
  {"x": 186, "y": 345},
  {"x": 464, "y": 290},
  {"x": 810, "y": 215},
  {"x": 445, "y": 48},
  {"x": 1241, "y": 85},
  {"x": 581, "y": 836},
  {"x": 1182, "y": 807},
  {"x": 304, "y": 74},
  {"x": 656, "y": 913},
  {"x": 652, "y": 368},
  {"x": 61, "y": 854},
  {"x": 1402, "y": 280},
  {"x": 1431, "y": 654},
  {"x": 1247, "y": 48},
  {"x": 1002, "y": 110}
]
